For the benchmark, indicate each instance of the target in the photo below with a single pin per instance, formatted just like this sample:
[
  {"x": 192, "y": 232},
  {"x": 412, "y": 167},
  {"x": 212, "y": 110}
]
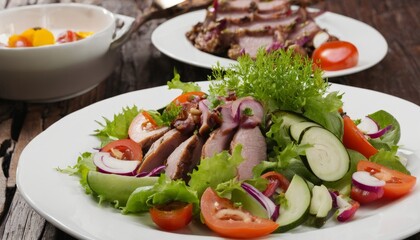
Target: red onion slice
[
  {"x": 380, "y": 133},
  {"x": 334, "y": 199},
  {"x": 371, "y": 128},
  {"x": 367, "y": 182},
  {"x": 272, "y": 209},
  {"x": 346, "y": 209},
  {"x": 155, "y": 172},
  {"x": 105, "y": 163}
]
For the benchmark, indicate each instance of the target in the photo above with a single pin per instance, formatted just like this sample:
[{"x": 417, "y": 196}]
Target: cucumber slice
[
  {"x": 116, "y": 188},
  {"x": 295, "y": 212},
  {"x": 297, "y": 129},
  {"x": 289, "y": 118},
  {"x": 321, "y": 205},
  {"x": 327, "y": 157}
]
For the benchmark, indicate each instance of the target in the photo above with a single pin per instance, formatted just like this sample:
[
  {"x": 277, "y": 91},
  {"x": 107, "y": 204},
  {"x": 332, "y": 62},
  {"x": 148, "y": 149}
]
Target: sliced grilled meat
[
  {"x": 254, "y": 150},
  {"x": 184, "y": 158},
  {"x": 161, "y": 149},
  {"x": 216, "y": 143},
  {"x": 208, "y": 117}
]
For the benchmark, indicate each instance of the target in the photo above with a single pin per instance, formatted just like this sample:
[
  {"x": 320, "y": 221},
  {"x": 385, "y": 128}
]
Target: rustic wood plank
[
  {"x": 22, "y": 221},
  {"x": 32, "y": 126},
  {"x": 6, "y": 147}
]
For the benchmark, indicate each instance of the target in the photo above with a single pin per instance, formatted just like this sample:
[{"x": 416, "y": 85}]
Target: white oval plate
[
  {"x": 169, "y": 38},
  {"x": 61, "y": 200}
]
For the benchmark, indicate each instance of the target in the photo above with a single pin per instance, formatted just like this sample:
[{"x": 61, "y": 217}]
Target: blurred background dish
[
  {"x": 58, "y": 71},
  {"x": 170, "y": 39}
]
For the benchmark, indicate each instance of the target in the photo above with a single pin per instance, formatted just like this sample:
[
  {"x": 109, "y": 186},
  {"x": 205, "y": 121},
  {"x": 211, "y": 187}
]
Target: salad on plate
[{"x": 266, "y": 150}]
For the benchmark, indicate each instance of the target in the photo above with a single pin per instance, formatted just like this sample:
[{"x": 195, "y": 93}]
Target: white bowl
[{"x": 60, "y": 71}]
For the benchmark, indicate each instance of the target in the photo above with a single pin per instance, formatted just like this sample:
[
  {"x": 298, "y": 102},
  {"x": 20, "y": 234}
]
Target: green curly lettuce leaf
[
  {"x": 117, "y": 128},
  {"x": 281, "y": 80},
  {"x": 81, "y": 168},
  {"x": 176, "y": 83},
  {"x": 163, "y": 192},
  {"x": 212, "y": 171}
]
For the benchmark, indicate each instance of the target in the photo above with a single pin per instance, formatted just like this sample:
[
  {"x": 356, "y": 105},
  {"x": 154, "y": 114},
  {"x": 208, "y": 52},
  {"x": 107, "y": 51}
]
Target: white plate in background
[{"x": 170, "y": 39}]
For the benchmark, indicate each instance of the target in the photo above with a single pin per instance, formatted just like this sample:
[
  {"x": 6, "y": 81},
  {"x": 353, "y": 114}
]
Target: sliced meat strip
[
  {"x": 264, "y": 25},
  {"x": 250, "y": 45},
  {"x": 161, "y": 149},
  {"x": 216, "y": 143},
  {"x": 228, "y": 122},
  {"x": 254, "y": 150},
  {"x": 208, "y": 117},
  {"x": 184, "y": 158},
  {"x": 254, "y": 5},
  {"x": 303, "y": 32},
  {"x": 250, "y": 112}
]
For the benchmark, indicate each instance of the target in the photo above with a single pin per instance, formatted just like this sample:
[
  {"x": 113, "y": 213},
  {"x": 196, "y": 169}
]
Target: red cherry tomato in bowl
[
  {"x": 336, "y": 55},
  {"x": 67, "y": 36}
]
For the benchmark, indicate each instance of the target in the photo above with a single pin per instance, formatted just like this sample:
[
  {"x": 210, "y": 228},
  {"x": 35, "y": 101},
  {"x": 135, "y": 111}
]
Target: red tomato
[
  {"x": 19, "y": 41},
  {"x": 149, "y": 119},
  {"x": 275, "y": 180},
  {"x": 336, "y": 55},
  {"x": 397, "y": 183},
  {"x": 125, "y": 149},
  {"x": 188, "y": 97},
  {"x": 173, "y": 216},
  {"x": 67, "y": 36},
  {"x": 222, "y": 217},
  {"x": 354, "y": 139},
  {"x": 364, "y": 197}
]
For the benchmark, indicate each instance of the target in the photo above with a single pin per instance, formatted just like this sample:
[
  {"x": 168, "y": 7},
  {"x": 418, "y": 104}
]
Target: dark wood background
[{"x": 140, "y": 66}]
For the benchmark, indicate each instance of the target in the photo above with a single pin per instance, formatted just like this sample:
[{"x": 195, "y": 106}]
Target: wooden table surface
[{"x": 140, "y": 66}]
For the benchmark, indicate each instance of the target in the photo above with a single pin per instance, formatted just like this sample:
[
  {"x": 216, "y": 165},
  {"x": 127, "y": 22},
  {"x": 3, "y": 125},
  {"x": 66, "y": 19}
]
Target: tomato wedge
[
  {"x": 397, "y": 184},
  {"x": 149, "y": 119},
  {"x": 125, "y": 149},
  {"x": 188, "y": 97},
  {"x": 354, "y": 139},
  {"x": 222, "y": 217},
  {"x": 173, "y": 216},
  {"x": 275, "y": 180},
  {"x": 336, "y": 55}
]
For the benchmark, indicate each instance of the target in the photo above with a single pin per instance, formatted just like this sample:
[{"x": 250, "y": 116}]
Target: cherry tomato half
[
  {"x": 222, "y": 217},
  {"x": 336, "y": 55},
  {"x": 354, "y": 139},
  {"x": 397, "y": 183},
  {"x": 125, "y": 149},
  {"x": 172, "y": 216}
]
